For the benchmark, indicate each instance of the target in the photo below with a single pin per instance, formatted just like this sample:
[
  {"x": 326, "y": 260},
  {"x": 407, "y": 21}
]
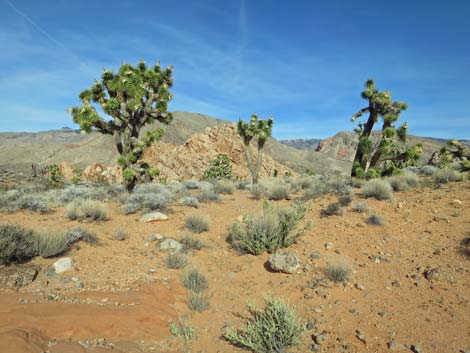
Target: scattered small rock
[
  {"x": 394, "y": 346},
  {"x": 416, "y": 348},
  {"x": 432, "y": 274},
  {"x": 359, "y": 286},
  {"x": 315, "y": 255},
  {"x": 284, "y": 262},
  {"x": 329, "y": 245}
]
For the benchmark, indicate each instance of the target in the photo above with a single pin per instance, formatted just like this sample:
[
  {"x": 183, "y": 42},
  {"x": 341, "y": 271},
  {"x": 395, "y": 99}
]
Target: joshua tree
[
  {"x": 261, "y": 129},
  {"x": 454, "y": 150},
  {"x": 388, "y": 154},
  {"x": 133, "y": 97}
]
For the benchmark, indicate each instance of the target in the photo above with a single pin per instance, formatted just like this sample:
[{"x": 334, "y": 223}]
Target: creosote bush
[
  {"x": 194, "y": 281},
  {"x": 376, "y": 220},
  {"x": 197, "y": 224},
  {"x": 337, "y": 272},
  {"x": 83, "y": 210},
  {"x": 271, "y": 330},
  {"x": 378, "y": 188},
  {"x": 176, "y": 261},
  {"x": 148, "y": 197},
  {"x": 274, "y": 229},
  {"x": 404, "y": 181}
]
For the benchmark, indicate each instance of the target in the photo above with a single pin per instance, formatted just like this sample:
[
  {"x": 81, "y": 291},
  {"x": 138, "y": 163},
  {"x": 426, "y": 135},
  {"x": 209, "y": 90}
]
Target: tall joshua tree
[
  {"x": 260, "y": 128},
  {"x": 388, "y": 154},
  {"x": 133, "y": 97}
]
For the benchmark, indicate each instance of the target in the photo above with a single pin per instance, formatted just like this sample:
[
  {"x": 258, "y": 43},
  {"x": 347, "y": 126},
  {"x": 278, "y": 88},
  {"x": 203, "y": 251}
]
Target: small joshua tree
[
  {"x": 261, "y": 129},
  {"x": 133, "y": 97},
  {"x": 455, "y": 151},
  {"x": 388, "y": 154}
]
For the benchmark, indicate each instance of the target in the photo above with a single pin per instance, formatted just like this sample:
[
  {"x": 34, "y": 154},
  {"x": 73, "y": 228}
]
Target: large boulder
[
  {"x": 284, "y": 262},
  {"x": 17, "y": 276},
  {"x": 153, "y": 217},
  {"x": 64, "y": 264},
  {"x": 95, "y": 172}
]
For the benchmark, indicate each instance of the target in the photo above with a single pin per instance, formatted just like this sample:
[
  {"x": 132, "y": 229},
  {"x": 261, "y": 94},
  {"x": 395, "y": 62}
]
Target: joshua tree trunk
[
  {"x": 359, "y": 156},
  {"x": 252, "y": 168}
]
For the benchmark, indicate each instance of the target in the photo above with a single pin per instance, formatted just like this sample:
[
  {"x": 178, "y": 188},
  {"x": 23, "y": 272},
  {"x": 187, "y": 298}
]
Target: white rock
[
  {"x": 63, "y": 265},
  {"x": 153, "y": 216},
  {"x": 169, "y": 244}
]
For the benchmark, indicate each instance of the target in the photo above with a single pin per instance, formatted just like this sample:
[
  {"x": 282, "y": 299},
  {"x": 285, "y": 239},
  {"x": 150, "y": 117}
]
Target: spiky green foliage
[
  {"x": 54, "y": 175},
  {"x": 261, "y": 129},
  {"x": 219, "y": 168},
  {"x": 454, "y": 150},
  {"x": 184, "y": 332},
  {"x": 272, "y": 330},
  {"x": 389, "y": 154},
  {"x": 133, "y": 97},
  {"x": 273, "y": 230}
]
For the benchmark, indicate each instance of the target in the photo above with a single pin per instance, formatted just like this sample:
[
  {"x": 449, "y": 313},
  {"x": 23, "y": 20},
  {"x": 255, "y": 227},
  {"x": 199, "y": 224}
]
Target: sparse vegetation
[
  {"x": 224, "y": 187},
  {"x": 120, "y": 234},
  {"x": 148, "y": 197},
  {"x": 359, "y": 207},
  {"x": 190, "y": 201},
  {"x": 404, "y": 181},
  {"x": 272, "y": 330},
  {"x": 198, "y": 302},
  {"x": 344, "y": 200},
  {"x": 197, "y": 224},
  {"x": 176, "y": 261},
  {"x": 207, "y": 193},
  {"x": 257, "y": 191},
  {"x": 337, "y": 272},
  {"x": 86, "y": 210},
  {"x": 376, "y": 220},
  {"x": 33, "y": 203},
  {"x": 278, "y": 192},
  {"x": 194, "y": 281},
  {"x": 191, "y": 243},
  {"x": 183, "y": 332},
  {"x": 274, "y": 229},
  {"x": 378, "y": 188},
  {"x": 16, "y": 244}
]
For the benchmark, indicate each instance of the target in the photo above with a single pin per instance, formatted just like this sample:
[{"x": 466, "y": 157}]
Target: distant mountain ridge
[{"x": 302, "y": 143}]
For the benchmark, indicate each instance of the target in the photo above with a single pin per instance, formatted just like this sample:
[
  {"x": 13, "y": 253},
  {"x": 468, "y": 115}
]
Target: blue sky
[{"x": 304, "y": 62}]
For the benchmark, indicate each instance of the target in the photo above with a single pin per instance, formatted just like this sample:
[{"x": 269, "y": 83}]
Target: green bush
[
  {"x": 273, "y": 230},
  {"x": 219, "y": 168},
  {"x": 54, "y": 174},
  {"x": 194, "y": 281},
  {"x": 197, "y": 224},
  {"x": 16, "y": 244},
  {"x": 272, "y": 330},
  {"x": 82, "y": 210},
  {"x": 378, "y": 188}
]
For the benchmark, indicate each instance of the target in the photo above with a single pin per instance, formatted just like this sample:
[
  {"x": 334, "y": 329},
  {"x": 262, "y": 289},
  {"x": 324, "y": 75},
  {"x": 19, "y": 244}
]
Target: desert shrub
[
  {"x": 278, "y": 192},
  {"x": 120, "y": 234},
  {"x": 16, "y": 244},
  {"x": 198, "y": 302},
  {"x": 372, "y": 174},
  {"x": 224, "y": 187},
  {"x": 74, "y": 192},
  {"x": 190, "y": 201},
  {"x": 82, "y": 210},
  {"x": 197, "y": 223},
  {"x": 257, "y": 191},
  {"x": 184, "y": 332},
  {"x": 147, "y": 197},
  {"x": 341, "y": 187},
  {"x": 176, "y": 261},
  {"x": 316, "y": 190},
  {"x": 376, "y": 220},
  {"x": 428, "y": 170},
  {"x": 272, "y": 330},
  {"x": 219, "y": 168},
  {"x": 464, "y": 165},
  {"x": 194, "y": 281},
  {"x": 404, "y": 181},
  {"x": 54, "y": 174},
  {"x": 191, "y": 184},
  {"x": 337, "y": 272},
  {"x": 272, "y": 230},
  {"x": 464, "y": 248},
  {"x": 52, "y": 243},
  {"x": 191, "y": 243},
  {"x": 446, "y": 175},
  {"x": 33, "y": 202},
  {"x": 359, "y": 207},
  {"x": 378, "y": 188},
  {"x": 344, "y": 200},
  {"x": 207, "y": 193},
  {"x": 302, "y": 182},
  {"x": 333, "y": 209},
  {"x": 176, "y": 188}
]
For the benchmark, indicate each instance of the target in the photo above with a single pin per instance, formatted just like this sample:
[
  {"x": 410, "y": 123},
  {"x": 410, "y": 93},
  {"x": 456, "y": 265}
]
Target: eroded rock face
[{"x": 13, "y": 277}]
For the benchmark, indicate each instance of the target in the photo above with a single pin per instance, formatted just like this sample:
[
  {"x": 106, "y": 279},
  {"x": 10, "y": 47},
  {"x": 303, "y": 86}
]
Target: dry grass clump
[
  {"x": 190, "y": 201},
  {"x": 86, "y": 210},
  {"x": 379, "y": 189},
  {"x": 176, "y": 261},
  {"x": 404, "y": 181},
  {"x": 198, "y": 302},
  {"x": 278, "y": 192},
  {"x": 191, "y": 243},
  {"x": 257, "y": 191},
  {"x": 224, "y": 186},
  {"x": 272, "y": 230},
  {"x": 359, "y": 207},
  {"x": 271, "y": 330},
  {"x": 194, "y": 281},
  {"x": 197, "y": 224},
  {"x": 207, "y": 192},
  {"x": 333, "y": 209},
  {"x": 446, "y": 175},
  {"x": 120, "y": 234},
  {"x": 148, "y": 197},
  {"x": 338, "y": 272},
  {"x": 376, "y": 220}
]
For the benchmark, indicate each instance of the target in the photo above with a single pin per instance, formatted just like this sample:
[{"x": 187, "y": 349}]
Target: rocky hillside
[{"x": 20, "y": 150}]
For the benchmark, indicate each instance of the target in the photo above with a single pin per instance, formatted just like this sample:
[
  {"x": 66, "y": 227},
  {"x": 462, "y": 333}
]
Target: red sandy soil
[{"x": 133, "y": 296}]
